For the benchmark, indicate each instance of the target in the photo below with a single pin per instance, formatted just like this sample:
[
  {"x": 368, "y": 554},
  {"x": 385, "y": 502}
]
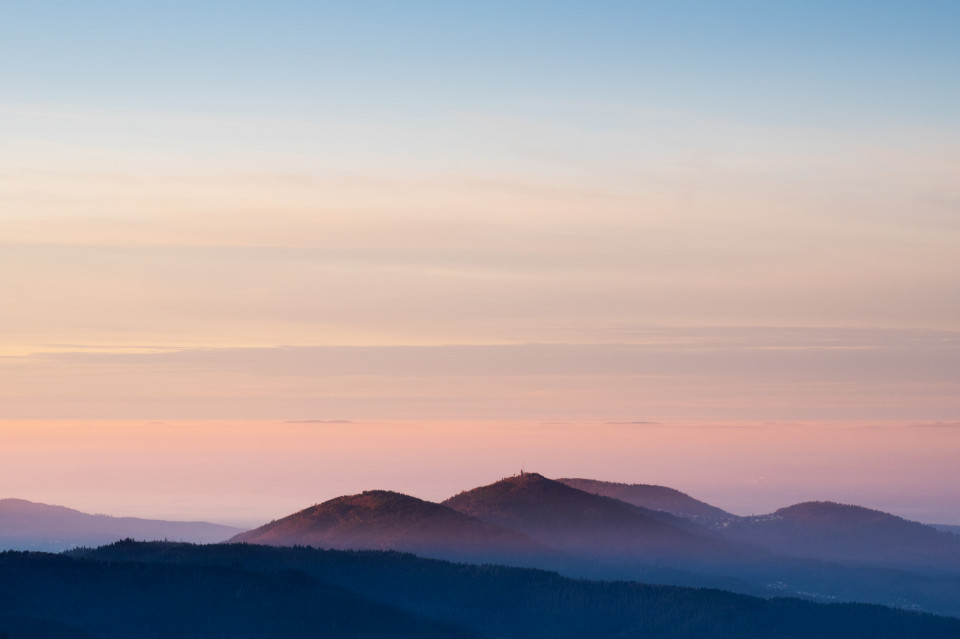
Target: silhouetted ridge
[
  {"x": 508, "y": 603},
  {"x": 69, "y": 598}
]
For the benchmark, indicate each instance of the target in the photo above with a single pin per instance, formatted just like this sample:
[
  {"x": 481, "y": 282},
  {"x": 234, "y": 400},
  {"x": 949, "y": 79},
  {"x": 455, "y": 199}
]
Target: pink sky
[
  {"x": 249, "y": 472},
  {"x": 740, "y": 223}
]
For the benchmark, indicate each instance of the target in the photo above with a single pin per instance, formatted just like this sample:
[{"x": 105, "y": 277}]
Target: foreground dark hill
[
  {"x": 384, "y": 520},
  {"x": 584, "y": 523},
  {"x": 20, "y": 627},
  {"x": 26, "y": 525},
  {"x": 52, "y": 596},
  {"x": 850, "y": 534},
  {"x": 655, "y": 498},
  {"x": 516, "y": 603}
]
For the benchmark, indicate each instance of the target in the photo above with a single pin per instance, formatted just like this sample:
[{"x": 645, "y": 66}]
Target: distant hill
[
  {"x": 482, "y": 601},
  {"x": 655, "y": 498},
  {"x": 26, "y": 525},
  {"x": 44, "y": 596},
  {"x": 580, "y": 522},
  {"x": 851, "y": 534},
  {"x": 385, "y": 520}
]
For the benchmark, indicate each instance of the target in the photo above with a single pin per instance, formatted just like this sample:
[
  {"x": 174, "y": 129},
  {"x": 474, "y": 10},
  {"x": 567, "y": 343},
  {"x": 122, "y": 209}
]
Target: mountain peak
[
  {"x": 574, "y": 520},
  {"x": 523, "y": 481},
  {"x": 824, "y": 511},
  {"x": 374, "y": 501},
  {"x": 530, "y": 492}
]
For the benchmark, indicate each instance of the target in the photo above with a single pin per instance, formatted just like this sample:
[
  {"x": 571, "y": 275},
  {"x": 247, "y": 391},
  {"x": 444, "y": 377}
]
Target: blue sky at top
[
  {"x": 822, "y": 63},
  {"x": 184, "y": 175}
]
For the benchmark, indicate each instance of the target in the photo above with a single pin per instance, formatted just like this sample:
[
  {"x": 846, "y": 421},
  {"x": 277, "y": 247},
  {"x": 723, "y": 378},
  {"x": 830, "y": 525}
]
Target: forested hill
[
  {"x": 495, "y": 601},
  {"x": 46, "y": 596}
]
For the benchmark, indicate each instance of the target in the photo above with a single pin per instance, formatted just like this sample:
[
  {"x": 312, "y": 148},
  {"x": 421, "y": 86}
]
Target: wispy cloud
[
  {"x": 708, "y": 372},
  {"x": 939, "y": 425}
]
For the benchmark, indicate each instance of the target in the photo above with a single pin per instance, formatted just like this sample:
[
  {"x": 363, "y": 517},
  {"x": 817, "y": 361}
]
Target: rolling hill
[
  {"x": 851, "y": 534},
  {"x": 385, "y": 520},
  {"x": 655, "y": 498}
]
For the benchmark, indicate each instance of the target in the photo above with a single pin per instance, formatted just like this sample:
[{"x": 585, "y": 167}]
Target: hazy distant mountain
[
  {"x": 26, "y": 525},
  {"x": 838, "y": 532},
  {"x": 947, "y": 528},
  {"x": 384, "y": 520},
  {"x": 583, "y": 523},
  {"x": 655, "y": 498}
]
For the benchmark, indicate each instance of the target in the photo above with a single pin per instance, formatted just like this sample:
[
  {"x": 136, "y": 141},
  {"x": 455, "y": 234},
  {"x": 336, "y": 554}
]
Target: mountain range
[
  {"x": 818, "y": 550},
  {"x": 822, "y": 530},
  {"x": 821, "y": 551}
]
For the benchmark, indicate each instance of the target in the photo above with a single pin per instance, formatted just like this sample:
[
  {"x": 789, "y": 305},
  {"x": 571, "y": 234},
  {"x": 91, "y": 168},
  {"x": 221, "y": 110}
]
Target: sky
[{"x": 230, "y": 215}]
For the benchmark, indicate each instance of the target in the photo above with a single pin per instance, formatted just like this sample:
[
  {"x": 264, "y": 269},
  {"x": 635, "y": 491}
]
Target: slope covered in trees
[
  {"x": 65, "y": 596},
  {"x": 496, "y": 601}
]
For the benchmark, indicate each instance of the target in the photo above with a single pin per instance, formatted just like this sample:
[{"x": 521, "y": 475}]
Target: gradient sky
[{"x": 683, "y": 212}]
